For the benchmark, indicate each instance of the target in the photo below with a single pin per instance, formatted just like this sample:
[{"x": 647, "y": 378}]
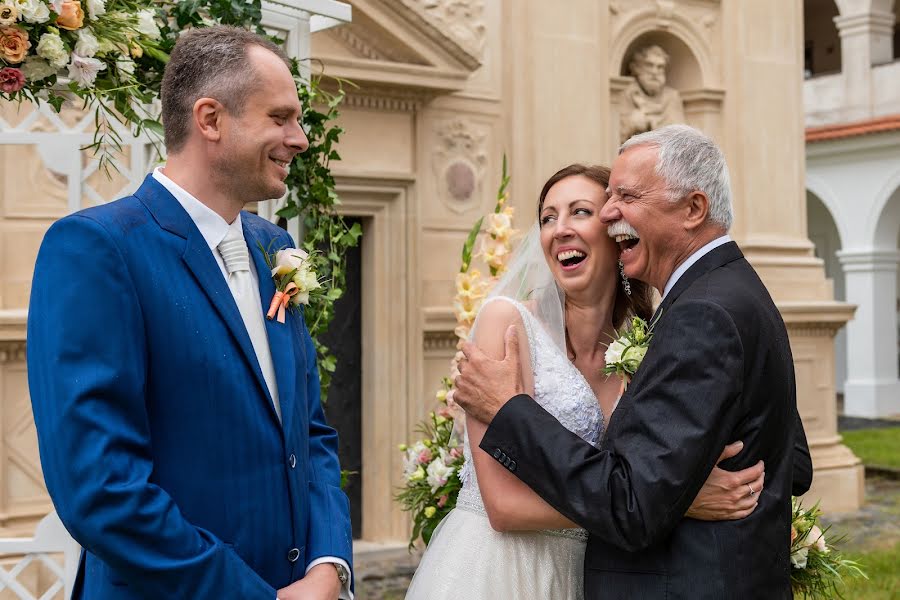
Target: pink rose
[
  {"x": 11, "y": 80},
  {"x": 455, "y": 452},
  {"x": 425, "y": 456},
  {"x": 442, "y": 501}
]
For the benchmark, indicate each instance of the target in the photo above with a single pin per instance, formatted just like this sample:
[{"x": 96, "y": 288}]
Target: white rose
[
  {"x": 147, "y": 26},
  {"x": 84, "y": 70},
  {"x": 96, "y": 8},
  {"x": 614, "y": 352},
  {"x": 36, "y": 68},
  {"x": 52, "y": 49},
  {"x": 798, "y": 558},
  {"x": 33, "y": 11},
  {"x": 438, "y": 473},
  {"x": 87, "y": 44}
]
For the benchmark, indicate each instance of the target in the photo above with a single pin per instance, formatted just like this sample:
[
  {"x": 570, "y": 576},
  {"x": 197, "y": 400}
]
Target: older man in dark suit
[{"x": 719, "y": 369}]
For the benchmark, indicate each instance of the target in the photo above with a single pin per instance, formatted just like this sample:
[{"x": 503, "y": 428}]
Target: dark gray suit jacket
[{"x": 719, "y": 369}]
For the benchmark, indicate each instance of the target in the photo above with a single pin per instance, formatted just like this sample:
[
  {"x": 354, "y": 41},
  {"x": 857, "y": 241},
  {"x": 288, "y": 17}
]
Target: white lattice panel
[{"x": 52, "y": 548}]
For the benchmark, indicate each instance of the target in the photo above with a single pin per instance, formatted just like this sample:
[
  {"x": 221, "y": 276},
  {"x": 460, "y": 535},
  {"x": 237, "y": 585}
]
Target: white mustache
[{"x": 621, "y": 227}]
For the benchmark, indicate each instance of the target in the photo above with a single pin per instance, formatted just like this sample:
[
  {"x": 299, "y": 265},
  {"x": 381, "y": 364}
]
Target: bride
[{"x": 564, "y": 295}]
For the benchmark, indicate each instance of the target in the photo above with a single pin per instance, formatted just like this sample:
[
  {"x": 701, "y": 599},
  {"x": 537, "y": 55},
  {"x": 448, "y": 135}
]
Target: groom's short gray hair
[{"x": 688, "y": 161}]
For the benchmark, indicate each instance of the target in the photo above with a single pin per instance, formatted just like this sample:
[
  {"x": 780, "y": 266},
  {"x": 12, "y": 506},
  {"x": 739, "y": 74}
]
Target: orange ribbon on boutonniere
[
  {"x": 294, "y": 279},
  {"x": 280, "y": 301}
]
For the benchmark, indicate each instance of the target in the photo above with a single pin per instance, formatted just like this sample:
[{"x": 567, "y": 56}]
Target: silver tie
[{"x": 236, "y": 256}]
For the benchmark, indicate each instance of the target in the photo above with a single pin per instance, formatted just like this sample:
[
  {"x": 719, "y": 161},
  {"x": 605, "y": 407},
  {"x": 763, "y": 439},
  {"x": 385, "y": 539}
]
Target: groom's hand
[
  {"x": 728, "y": 495},
  {"x": 483, "y": 385},
  {"x": 321, "y": 583}
]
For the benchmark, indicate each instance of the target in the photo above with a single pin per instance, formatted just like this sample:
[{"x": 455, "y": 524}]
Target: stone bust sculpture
[{"x": 647, "y": 103}]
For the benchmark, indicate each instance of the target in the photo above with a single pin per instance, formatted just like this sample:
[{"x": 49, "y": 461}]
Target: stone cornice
[
  {"x": 439, "y": 340},
  {"x": 12, "y": 325}
]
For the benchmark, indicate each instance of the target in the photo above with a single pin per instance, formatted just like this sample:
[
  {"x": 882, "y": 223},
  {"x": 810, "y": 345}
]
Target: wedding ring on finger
[{"x": 752, "y": 491}]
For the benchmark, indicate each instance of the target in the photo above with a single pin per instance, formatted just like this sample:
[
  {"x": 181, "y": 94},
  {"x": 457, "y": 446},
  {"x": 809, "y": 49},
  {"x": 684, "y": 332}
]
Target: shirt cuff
[{"x": 345, "y": 594}]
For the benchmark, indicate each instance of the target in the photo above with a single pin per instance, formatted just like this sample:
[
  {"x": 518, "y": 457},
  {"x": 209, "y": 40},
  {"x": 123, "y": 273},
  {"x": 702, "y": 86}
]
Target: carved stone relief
[
  {"x": 462, "y": 19},
  {"x": 459, "y": 162}
]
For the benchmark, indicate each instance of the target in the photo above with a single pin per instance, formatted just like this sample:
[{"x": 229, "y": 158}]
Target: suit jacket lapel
[
  {"x": 714, "y": 259},
  {"x": 281, "y": 342},
  {"x": 172, "y": 217}
]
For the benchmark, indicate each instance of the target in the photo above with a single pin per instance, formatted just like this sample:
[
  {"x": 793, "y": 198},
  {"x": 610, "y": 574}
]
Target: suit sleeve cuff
[{"x": 345, "y": 594}]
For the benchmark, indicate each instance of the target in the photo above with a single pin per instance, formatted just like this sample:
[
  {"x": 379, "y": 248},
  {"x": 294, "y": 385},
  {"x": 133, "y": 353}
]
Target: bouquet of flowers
[
  {"x": 626, "y": 352},
  {"x": 430, "y": 470},
  {"x": 817, "y": 567},
  {"x": 432, "y": 464}
]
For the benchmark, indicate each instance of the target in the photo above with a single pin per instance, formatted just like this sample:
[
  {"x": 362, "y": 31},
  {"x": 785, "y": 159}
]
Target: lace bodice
[{"x": 558, "y": 387}]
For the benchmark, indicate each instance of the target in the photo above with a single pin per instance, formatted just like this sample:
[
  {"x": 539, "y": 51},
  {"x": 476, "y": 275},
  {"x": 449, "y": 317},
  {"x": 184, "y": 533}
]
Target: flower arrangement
[
  {"x": 626, "y": 352},
  {"x": 108, "y": 53},
  {"x": 817, "y": 567},
  {"x": 432, "y": 464}
]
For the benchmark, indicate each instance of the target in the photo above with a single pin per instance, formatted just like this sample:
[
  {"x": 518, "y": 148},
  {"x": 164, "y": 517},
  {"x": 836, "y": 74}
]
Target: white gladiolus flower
[
  {"x": 52, "y": 49},
  {"x": 84, "y": 70},
  {"x": 146, "y": 25},
  {"x": 96, "y": 8},
  {"x": 87, "y": 44}
]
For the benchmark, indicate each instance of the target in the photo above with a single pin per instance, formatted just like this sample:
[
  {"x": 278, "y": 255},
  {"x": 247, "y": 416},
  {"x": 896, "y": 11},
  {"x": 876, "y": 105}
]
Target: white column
[
  {"x": 866, "y": 40},
  {"x": 872, "y": 388}
]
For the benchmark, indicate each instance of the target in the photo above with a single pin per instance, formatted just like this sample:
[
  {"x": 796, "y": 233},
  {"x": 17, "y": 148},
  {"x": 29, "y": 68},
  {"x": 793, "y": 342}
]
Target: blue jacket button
[{"x": 293, "y": 555}]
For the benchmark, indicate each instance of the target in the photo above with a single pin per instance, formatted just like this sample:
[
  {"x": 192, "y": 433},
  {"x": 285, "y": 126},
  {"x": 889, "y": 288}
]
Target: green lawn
[
  {"x": 883, "y": 569},
  {"x": 879, "y": 447}
]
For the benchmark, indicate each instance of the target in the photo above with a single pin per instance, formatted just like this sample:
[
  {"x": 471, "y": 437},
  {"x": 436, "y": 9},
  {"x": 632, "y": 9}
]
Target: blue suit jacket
[{"x": 159, "y": 442}]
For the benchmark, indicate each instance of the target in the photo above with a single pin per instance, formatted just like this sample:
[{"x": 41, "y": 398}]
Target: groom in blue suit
[{"x": 181, "y": 433}]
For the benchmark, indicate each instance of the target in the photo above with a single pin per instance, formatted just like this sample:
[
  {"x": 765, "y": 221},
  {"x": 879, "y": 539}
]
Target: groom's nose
[{"x": 610, "y": 212}]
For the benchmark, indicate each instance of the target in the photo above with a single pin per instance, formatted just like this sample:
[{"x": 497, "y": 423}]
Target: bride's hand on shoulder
[{"x": 728, "y": 495}]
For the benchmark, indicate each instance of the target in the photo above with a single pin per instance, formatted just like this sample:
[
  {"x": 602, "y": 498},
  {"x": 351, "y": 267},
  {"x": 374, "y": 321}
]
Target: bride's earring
[{"x": 625, "y": 283}]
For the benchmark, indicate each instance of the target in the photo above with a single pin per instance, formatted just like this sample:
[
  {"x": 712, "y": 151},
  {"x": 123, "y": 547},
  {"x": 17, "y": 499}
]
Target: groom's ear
[
  {"x": 696, "y": 210},
  {"x": 207, "y": 115}
]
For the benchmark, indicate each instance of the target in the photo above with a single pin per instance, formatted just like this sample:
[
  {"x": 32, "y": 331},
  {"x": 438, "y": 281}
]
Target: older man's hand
[{"x": 483, "y": 385}]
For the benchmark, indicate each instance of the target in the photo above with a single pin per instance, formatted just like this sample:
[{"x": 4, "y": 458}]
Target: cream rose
[
  {"x": 614, "y": 352},
  {"x": 289, "y": 259},
  {"x": 14, "y": 44}
]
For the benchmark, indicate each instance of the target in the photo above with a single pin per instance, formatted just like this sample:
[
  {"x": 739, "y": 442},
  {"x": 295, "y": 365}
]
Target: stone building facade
[{"x": 445, "y": 88}]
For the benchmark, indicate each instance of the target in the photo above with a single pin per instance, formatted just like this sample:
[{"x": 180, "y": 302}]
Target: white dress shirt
[
  {"x": 683, "y": 267},
  {"x": 213, "y": 228}
]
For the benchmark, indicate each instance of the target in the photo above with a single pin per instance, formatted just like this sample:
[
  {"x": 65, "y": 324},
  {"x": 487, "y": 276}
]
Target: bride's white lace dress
[{"x": 466, "y": 558}]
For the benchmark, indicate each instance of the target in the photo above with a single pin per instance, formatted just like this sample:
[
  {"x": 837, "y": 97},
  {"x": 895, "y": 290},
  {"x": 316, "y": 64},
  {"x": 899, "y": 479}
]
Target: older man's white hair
[{"x": 689, "y": 161}]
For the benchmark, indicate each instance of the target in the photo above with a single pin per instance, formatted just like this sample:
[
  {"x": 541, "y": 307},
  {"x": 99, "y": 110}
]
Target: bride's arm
[{"x": 510, "y": 504}]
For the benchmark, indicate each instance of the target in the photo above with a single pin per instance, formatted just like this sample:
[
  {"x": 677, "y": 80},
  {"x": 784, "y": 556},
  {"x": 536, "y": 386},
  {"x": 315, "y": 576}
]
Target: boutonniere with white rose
[
  {"x": 626, "y": 352},
  {"x": 294, "y": 280}
]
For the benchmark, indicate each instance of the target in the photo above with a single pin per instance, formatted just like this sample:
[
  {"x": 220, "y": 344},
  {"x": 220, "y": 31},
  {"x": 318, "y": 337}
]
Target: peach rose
[
  {"x": 14, "y": 44},
  {"x": 71, "y": 16}
]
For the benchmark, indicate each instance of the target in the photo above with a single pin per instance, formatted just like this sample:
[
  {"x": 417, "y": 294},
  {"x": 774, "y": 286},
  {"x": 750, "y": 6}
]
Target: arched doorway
[
  {"x": 821, "y": 43},
  {"x": 823, "y": 232}
]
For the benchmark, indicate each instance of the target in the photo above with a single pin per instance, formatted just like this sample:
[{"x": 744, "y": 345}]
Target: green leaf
[{"x": 470, "y": 243}]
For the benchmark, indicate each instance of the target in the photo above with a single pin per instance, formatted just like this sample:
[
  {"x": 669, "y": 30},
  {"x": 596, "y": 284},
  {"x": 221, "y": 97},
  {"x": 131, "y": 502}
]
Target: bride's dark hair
[{"x": 640, "y": 302}]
